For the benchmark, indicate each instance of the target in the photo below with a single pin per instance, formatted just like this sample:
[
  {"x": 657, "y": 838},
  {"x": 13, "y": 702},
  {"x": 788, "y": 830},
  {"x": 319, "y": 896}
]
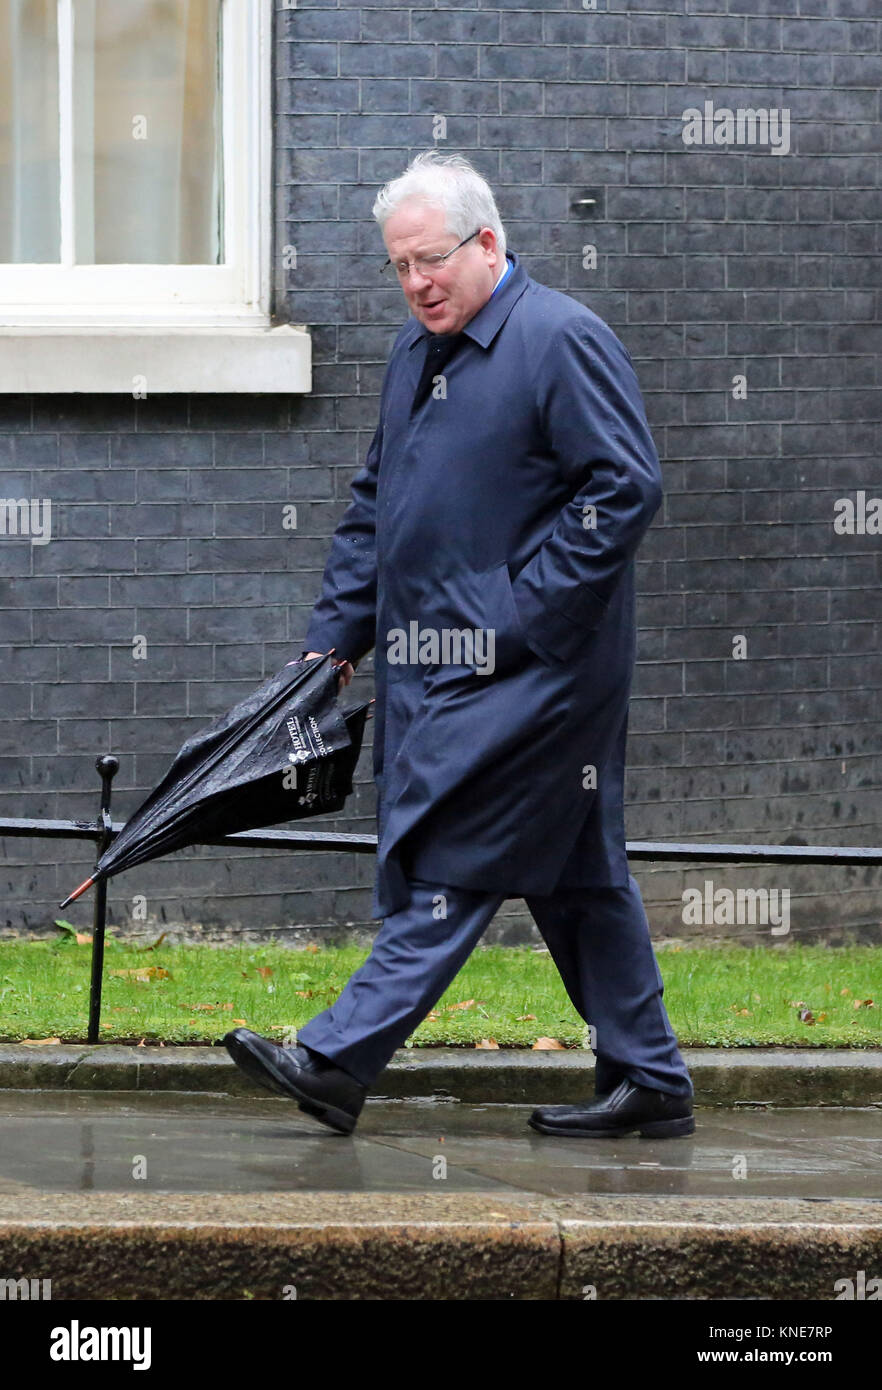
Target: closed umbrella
[{"x": 285, "y": 752}]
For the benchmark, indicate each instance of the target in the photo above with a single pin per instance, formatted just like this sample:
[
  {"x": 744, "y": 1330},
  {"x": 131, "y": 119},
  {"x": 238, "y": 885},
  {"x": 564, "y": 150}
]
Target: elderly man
[{"x": 487, "y": 557}]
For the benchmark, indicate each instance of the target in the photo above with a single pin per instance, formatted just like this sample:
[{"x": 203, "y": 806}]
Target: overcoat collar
[{"x": 486, "y": 323}]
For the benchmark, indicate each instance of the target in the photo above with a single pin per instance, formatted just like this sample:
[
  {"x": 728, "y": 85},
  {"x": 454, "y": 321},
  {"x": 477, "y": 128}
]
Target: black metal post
[{"x": 107, "y": 766}]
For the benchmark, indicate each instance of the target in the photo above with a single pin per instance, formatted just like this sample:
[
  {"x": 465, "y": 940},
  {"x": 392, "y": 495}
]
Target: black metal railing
[{"x": 103, "y": 830}]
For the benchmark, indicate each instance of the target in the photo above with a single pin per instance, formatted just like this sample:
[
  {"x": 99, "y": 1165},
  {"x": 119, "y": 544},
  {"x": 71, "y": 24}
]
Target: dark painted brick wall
[{"x": 712, "y": 262}]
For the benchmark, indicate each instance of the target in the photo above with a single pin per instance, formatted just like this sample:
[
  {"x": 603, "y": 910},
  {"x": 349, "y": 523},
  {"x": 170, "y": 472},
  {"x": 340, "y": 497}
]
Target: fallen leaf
[
  {"x": 863, "y": 1004},
  {"x": 158, "y": 942},
  {"x": 526, "y": 1018},
  {"x": 240, "y": 1020},
  {"x": 845, "y": 991},
  {"x": 806, "y": 1016},
  {"x": 264, "y": 971},
  {"x": 305, "y": 993},
  {"x": 466, "y": 1004},
  {"x": 488, "y": 1044},
  {"x": 548, "y": 1045},
  {"x": 313, "y": 948},
  {"x": 144, "y": 973},
  {"x": 431, "y": 1017},
  {"x": 41, "y": 1042}
]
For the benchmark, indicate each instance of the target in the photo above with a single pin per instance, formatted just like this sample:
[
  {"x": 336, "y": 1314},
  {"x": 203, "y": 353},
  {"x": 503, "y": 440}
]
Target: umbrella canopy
[{"x": 285, "y": 752}]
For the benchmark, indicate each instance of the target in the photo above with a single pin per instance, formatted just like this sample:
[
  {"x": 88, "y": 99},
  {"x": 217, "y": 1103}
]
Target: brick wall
[{"x": 711, "y": 263}]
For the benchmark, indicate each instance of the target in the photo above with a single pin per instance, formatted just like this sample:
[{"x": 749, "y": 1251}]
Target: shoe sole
[
  {"x": 653, "y": 1129},
  {"x": 266, "y": 1075}
]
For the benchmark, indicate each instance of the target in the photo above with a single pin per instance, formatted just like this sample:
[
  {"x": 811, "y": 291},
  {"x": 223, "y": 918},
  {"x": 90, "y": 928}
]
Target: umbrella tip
[{"x": 78, "y": 892}]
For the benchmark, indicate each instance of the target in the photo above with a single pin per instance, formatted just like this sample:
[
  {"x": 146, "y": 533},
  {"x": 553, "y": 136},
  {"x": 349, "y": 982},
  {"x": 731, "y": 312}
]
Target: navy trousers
[{"x": 598, "y": 938}]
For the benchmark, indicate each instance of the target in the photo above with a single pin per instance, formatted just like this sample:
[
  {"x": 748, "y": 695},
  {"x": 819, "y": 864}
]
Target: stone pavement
[{"x": 169, "y": 1195}]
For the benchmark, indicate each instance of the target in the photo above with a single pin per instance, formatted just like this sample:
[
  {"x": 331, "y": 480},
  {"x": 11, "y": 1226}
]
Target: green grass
[{"x": 44, "y": 990}]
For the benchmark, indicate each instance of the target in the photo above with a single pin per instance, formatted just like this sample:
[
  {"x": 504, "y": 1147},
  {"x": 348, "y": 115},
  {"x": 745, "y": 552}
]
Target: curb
[
  {"x": 160, "y": 1246},
  {"x": 721, "y": 1076}
]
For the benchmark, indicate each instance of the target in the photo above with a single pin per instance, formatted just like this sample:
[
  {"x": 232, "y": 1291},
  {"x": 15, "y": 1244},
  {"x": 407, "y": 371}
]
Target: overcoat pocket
[{"x": 479, "y": 628}]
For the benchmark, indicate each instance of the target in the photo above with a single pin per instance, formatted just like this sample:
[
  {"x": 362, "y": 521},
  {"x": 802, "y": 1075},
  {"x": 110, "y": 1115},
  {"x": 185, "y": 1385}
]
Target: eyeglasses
[{"x": 426, "y": 265}]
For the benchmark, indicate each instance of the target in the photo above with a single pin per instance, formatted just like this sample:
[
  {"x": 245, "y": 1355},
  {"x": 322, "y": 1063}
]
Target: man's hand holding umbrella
[{"x": 346, "y": 669}]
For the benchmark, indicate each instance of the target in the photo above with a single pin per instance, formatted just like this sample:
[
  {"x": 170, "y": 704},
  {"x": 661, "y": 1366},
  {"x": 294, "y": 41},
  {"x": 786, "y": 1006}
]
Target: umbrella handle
[{"x": 78, "y": 892}]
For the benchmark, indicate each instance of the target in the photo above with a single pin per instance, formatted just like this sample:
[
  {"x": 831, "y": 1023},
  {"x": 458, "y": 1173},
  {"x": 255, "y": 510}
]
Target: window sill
[{"x": 155, "y": 361}]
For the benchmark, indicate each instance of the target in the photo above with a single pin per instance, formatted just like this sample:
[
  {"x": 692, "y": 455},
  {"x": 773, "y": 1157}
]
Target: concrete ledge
[
  {"x": 721, "y": 1076},
  {"x": 430, "y": 1246},
  {"x": 323, "y": 1245},
  {"x": 721, "y": 1259},
  {"x": 253, "y": 358}
]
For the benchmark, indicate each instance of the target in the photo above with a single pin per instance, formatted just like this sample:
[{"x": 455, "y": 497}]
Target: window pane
[
  {"x": 147, "y": 132},
  {"x": 29, "y": 207}
]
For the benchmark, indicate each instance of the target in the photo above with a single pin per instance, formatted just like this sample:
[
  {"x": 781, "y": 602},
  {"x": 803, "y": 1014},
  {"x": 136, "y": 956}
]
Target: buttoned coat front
[{"x": 509, "y": 503}]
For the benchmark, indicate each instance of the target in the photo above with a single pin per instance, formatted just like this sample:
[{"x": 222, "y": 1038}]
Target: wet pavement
[{"x": 81, "y": 1142}]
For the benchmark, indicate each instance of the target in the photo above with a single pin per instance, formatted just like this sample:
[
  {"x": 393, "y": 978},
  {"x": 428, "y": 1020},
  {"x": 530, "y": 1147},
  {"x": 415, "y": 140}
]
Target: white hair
[{"x": 447, "y": 181}]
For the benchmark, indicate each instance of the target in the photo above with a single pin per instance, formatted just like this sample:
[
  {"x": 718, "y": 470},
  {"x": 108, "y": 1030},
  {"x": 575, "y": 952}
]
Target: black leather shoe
[
  {"x": 656, "y": 1114},
  {"x": 320, "y": 1089}
]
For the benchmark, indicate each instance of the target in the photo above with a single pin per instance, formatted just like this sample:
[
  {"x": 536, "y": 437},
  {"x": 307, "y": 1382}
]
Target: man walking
[{"x": 487, "y": 557}]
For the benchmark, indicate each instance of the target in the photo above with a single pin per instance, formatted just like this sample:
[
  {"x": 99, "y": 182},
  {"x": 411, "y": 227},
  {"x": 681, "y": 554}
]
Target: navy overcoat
[{"x": 510, "y": 503}]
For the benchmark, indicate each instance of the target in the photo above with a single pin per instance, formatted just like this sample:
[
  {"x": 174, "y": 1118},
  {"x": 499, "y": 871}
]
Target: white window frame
[
  {"x": 236, "y": 292},
  {"x": 139, "y": 329}
]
